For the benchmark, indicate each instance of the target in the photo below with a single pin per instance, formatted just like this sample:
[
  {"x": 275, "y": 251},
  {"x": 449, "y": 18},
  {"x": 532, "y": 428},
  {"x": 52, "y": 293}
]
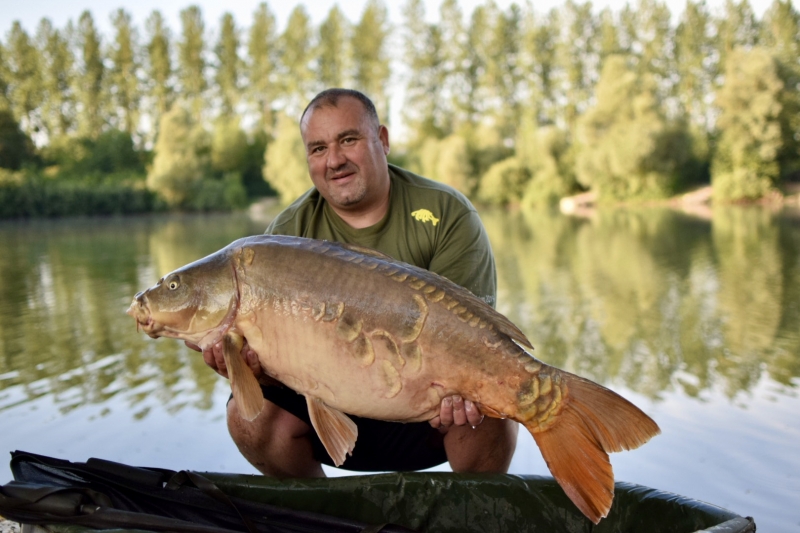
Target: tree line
[{"x": 508, "y": 105}]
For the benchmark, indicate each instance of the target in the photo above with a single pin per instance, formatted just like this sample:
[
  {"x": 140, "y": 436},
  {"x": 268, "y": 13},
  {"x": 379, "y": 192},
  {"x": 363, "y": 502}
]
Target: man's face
[{"x": 346, "y": 154}]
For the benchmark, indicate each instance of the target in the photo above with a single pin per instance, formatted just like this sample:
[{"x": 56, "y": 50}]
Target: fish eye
[{"x": 173, "y": 284}]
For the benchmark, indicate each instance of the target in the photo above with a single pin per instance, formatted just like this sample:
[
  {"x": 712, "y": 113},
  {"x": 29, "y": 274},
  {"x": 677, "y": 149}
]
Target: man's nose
[{"x": 336, "y": 157}]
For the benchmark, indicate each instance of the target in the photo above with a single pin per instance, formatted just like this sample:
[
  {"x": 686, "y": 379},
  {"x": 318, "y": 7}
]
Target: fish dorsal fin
[
  {"x": 246, "y": 390},
  {"x": 335, "y": 429}
]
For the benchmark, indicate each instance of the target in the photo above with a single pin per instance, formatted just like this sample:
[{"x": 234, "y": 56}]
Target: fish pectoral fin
[
  {"x": 245, "y": 387},
  {"x": 335, "y": 429}
]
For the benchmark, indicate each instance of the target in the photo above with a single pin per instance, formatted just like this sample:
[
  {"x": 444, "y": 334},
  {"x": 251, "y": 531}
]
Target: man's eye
[{"x": 348, "y": 140}]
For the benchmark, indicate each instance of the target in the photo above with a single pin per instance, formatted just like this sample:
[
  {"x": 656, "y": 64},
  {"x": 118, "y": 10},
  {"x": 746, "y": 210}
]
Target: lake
[{"x": 693, "y": 318}]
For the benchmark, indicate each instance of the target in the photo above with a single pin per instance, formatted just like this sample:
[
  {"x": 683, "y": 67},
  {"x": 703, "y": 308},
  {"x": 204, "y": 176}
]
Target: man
[{"x": 359, "y": 198}]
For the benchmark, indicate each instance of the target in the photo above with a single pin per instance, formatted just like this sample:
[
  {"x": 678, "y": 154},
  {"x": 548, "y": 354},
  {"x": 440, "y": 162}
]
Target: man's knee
[
  {"x": 487, "y": 448},
  {"x": 275, "y": 442}
]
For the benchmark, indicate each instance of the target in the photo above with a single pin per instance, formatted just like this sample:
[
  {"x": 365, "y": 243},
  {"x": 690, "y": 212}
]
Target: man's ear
[{"x": 383, "y": 135}]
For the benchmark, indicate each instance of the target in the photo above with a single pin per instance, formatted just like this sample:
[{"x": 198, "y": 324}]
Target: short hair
[{"x": 331, "y": 97}]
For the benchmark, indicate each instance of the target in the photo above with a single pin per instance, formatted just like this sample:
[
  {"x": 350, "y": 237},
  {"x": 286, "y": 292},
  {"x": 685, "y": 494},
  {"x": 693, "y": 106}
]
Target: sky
[{"x": 30, "y": 12}]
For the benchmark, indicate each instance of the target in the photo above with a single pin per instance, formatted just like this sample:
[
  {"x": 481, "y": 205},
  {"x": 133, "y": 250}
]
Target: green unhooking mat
[{"x": 98, "y": 494}]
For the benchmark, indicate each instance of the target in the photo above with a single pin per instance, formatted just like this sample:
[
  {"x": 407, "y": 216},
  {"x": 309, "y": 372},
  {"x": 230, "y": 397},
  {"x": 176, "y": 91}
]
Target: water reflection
[
  {"x": 654, "y": 299},
  {"x": 64, "y": 287}
]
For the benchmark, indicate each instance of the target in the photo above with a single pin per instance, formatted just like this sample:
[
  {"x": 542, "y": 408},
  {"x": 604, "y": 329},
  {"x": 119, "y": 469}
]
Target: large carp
[{"x": 358, "y": 332}]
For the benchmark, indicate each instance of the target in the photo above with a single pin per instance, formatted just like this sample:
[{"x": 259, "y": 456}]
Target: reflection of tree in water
[
  {"x": 64, "y": 289},
  {"x": 653, "y": 298},
  {"x": 746, "y": 242}
]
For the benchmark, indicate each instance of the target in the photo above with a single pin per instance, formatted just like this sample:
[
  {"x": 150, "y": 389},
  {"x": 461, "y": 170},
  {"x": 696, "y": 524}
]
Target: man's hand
[
  {"x": 214, "y": 358},
  {"x": 456, "y": 411}
]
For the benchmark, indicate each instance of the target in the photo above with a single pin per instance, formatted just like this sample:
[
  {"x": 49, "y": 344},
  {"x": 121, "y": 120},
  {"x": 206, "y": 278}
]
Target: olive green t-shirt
[{"x": 428, "y": 224}]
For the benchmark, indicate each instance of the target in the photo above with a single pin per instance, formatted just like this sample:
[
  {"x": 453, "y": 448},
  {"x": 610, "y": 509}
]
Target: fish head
[{"x": 196, "y": 303}]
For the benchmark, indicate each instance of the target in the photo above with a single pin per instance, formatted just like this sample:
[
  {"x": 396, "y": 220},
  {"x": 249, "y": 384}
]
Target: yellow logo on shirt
[{"x": 423, "y": 215}]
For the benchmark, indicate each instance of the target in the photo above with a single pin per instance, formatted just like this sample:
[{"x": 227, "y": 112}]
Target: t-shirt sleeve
[{"x": 464, "y": 256}]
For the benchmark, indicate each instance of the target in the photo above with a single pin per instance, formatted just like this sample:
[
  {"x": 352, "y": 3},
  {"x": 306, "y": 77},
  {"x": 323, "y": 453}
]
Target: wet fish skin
[{"x": 360, "y": 333}]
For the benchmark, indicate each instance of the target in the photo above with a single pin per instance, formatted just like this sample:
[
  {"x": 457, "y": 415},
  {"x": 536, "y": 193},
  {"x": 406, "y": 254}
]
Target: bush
[{"x": 35, "y": 196}]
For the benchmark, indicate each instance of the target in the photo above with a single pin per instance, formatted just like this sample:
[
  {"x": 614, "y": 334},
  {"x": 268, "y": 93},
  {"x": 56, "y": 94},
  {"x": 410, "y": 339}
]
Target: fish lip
[{"x": 140, "y": 311}]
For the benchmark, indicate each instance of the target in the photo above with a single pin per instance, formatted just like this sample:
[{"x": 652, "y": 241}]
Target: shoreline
[{"x": 697, "y": 203}]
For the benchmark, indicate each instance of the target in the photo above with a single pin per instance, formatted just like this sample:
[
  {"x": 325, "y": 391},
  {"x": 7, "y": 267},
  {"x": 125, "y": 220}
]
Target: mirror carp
[{"x": 358, "y": 332}]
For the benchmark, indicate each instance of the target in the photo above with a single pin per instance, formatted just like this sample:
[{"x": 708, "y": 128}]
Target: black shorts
[{"x": 381, "y": 446}]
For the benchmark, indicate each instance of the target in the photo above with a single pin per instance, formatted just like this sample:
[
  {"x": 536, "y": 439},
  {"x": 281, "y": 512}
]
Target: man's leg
[{"x": 275, "y": 442}]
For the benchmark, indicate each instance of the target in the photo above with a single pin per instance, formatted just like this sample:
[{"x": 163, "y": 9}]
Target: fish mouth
[{"x": 140, "y": 311}]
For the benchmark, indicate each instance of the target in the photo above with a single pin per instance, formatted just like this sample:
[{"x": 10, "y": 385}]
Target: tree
[
  {"x": 58, "y": 62},
  {"x": 627, "y": 148},
  {"x": 541, "y": 36},
  {"x": 370, "y": 60},
  {"x": 781, "y": 34},
  {"x": 24, "y": 78},
  {"x": 90, "y": 79},
  {"x": 422, "y": 54},
  {"x": 177, "y": 166},
  {"x": 261, "y": 65},
  {"x": 124, "y": 73},
  {"x": 693, "y": 47},
  {"x": 15, "y": 146},
  {"x": 191, "y": 61},
  {"x": 545, "y": 153},
  {"x": 504, "y": 182},
  {"x": 332, "y": 52},
  {"x": 228, "y": 64},
  {"x": 576, "y": 54},
  {"x": 737, "y": 27},
  {"x": 447, "y": 161},
  {"x": 159, "y": 66},
  {"x": 746, "y": 164},
  {"x": 228, "y": 144},
  {"x": 285, "y": 168},
  {"x": 296, "y": 46}
]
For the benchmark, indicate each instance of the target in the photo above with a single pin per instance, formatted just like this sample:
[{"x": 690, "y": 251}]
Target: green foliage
[
  {"x": 159, "y": 66},
  {"x": 76, "y": 158},
  {"x": 447, "y": 160},
  {"x": 191, "y": 59},
  {"x": 371, "y": 56},
  {"x": 296, "y": 54},
  {"x": 58, "y": 61},
  {"x": 504, "y": 182},
  {"x": 23, "y": 196},
  {"x": 627, "y": 148},
  {"x": 178, "y": 163},
  {"x": 545, "y": 153},
  {"x": 285, "y": 168},
  {"x": 90, "y": 79},
  {"x": 24, "y": 77},
  {"x": 123, "y": 75},
  {"x": 261, "y": 65},
  {"x": 16, "y": 148},
  {"x": 746, "y": 164},
  {"x": 228, "y": 144},
  {"x": 228, "y": 64},
  {"x": 332, "y": 50}
]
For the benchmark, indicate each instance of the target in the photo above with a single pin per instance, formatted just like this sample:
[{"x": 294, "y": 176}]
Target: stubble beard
[{"x": 352, "y": 194}]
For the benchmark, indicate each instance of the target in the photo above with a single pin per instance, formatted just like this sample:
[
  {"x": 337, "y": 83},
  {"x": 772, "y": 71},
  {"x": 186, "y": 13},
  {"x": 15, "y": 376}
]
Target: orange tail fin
[{"x": 593, "y": 422}]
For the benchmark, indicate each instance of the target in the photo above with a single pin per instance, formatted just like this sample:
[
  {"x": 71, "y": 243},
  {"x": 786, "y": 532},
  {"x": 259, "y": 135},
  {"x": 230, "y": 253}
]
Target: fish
[{"x": 360, "y": 333}]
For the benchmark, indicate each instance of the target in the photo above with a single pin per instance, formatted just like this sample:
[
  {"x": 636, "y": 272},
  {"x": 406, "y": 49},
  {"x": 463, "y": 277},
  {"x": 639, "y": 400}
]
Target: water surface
[{"x": 693, "y": 319}]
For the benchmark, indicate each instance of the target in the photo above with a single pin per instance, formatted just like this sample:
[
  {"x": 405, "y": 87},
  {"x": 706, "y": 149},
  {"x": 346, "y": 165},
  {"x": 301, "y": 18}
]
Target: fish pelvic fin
[
  {"x": 245, "y": 387},
  {"x": 592, "y": 422},
  {"x": 335, "y": 429}
]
